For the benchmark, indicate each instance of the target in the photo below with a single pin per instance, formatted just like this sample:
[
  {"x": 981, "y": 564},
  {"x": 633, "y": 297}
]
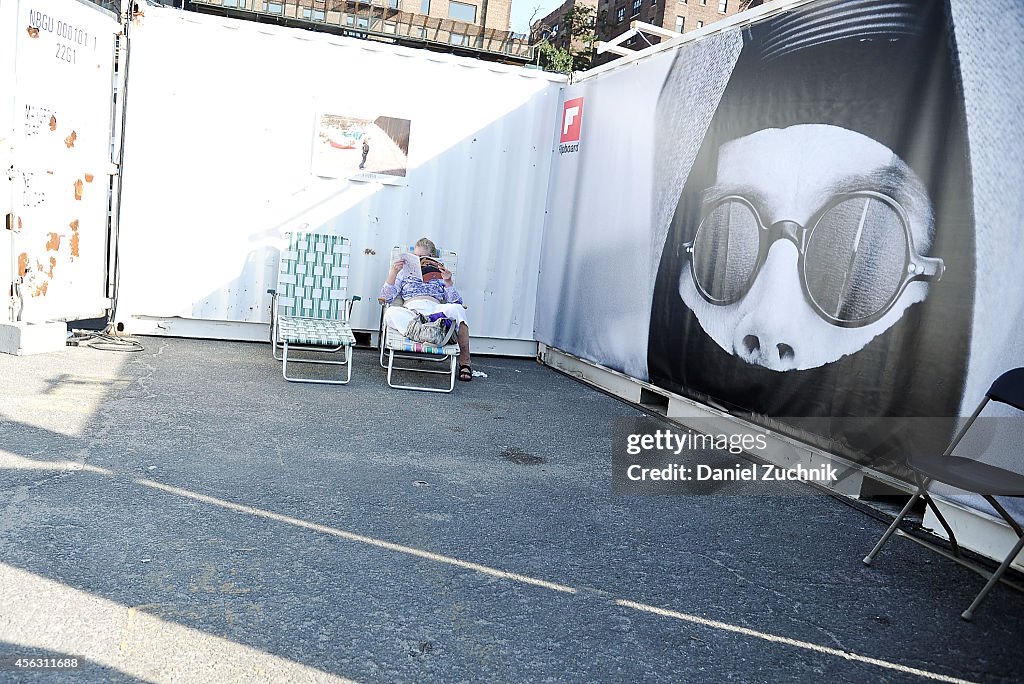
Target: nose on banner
[{"x": 768, "y": 333}]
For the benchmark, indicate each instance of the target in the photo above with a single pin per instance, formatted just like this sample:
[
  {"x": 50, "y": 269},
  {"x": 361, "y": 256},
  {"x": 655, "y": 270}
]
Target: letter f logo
[{"x": 572, "y": 120}]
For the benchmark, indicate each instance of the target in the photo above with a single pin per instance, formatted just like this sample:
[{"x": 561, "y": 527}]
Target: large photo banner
[{"x": 823, "y": 235}]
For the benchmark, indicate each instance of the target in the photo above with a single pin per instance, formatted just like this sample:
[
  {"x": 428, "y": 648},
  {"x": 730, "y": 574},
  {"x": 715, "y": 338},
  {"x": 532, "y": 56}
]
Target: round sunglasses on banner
[{"x": 856, "y": 256}]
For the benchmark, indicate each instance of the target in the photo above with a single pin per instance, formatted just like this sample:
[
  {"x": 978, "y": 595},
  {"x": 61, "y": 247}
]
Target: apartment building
[
  {"x": 555, "y": 29},
  {"x": 614, "y": 17}
]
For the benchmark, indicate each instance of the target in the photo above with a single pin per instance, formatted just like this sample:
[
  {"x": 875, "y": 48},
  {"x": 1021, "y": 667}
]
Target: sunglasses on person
[{"x": 857, "y": 255}]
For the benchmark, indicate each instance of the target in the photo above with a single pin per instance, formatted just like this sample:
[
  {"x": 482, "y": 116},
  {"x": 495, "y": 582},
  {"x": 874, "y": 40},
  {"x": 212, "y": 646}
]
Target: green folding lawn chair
[{"x": 311, "y": 308}]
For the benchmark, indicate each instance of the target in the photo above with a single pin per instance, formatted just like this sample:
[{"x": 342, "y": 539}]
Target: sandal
[{"x": 465, "y": 372}]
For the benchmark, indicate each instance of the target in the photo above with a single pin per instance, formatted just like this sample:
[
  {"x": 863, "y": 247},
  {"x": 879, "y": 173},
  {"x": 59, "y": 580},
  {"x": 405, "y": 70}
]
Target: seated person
[{"x": 435, "y": 296}]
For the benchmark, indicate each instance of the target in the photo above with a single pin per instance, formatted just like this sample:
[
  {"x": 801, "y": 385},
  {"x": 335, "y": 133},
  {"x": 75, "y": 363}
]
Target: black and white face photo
[
  {"x": 812, "y": 241},
  {"x": 818, "y": 257}
]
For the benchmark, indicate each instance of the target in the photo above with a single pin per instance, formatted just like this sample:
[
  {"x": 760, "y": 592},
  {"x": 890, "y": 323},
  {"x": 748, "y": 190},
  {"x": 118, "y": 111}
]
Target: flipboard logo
[{"x": 572, "y": 123}]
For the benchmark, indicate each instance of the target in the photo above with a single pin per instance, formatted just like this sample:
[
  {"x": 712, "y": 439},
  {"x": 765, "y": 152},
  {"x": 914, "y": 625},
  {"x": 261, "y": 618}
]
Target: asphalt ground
[{"x": 184, "y": 514}]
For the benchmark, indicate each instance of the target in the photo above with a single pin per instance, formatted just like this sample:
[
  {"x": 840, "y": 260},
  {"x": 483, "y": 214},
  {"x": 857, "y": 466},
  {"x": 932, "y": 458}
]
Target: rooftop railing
[{"x": 382, "y": 20}]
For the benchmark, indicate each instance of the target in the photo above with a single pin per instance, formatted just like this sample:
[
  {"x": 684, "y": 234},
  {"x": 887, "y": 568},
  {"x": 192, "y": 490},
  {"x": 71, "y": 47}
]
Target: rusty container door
[{"x": 61, "y": 132}]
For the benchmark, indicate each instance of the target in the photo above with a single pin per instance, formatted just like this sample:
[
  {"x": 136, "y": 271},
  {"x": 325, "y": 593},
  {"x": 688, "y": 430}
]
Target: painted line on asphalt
[
  {"x": 525, "y": 579},
  {"x": 796, "y": 643},
  {"x": 502, "y": 574},
  {"x": 380, "y": 543}
]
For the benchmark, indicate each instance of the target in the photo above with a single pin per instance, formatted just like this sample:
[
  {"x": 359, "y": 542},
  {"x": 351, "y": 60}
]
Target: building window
[
  {"x": 393, "y": 4},
  {"x": 460, "y": 11},
  {"x": 680, "y": 22},
  {"x": 420, "y": 32},
  {"x": 723, "y": 5},
  {"x": 459, "y": 39},
  {"x": 704, "y": 2},
  {"x": 424, "y": 6},
  {"x": 636, "y": 7},
  {"x": 233, "y": 3},
  {"x": 554, "y": 31},
  {"x": 362, "y": 22},
  {"x": 315, "y": 15},
  {"x": 620, "y": 14},
  {"x": 272, "y": 7},
  {"x": 700, "y": 24}
]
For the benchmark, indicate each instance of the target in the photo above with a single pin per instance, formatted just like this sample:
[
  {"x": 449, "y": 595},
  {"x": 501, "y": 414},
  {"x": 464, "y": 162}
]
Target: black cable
[{"x": 104, "y": 342}]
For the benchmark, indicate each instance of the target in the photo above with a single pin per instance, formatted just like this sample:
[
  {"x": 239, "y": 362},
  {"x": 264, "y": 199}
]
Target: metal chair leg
[
  {"x": 892, "y": 528},
  {"x": 969, "y": 613},
  {"x": 347, "y": 363},
  {"x": 930, "y": 502},
  {"x": 284, "y": 365},
  {"x": 391, "y": 367}
]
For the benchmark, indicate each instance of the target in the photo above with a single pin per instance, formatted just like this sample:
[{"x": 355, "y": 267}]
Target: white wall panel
[
  {"x": 219, "y": 139},
  {"x": 57, "y": 88},
  {"x": 8, "y": 40}
]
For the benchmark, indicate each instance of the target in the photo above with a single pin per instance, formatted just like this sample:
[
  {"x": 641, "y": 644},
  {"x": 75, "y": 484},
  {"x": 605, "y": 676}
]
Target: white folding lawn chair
[{"x": 395, "y": 345}]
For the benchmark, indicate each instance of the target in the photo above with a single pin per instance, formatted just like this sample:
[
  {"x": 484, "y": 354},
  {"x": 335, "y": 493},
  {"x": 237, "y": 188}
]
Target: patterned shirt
[{"x": 412, "y": 287}]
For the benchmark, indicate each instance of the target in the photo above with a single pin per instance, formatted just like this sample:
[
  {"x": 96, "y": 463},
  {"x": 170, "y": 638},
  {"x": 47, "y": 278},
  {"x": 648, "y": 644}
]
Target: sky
[{"x": 522, "y": 9}]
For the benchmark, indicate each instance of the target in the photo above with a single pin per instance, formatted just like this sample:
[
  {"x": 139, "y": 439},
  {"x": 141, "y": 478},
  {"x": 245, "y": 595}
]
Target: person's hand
[
  {"x": 447, "y": 276},
  {"x": 395, "y": 270}
]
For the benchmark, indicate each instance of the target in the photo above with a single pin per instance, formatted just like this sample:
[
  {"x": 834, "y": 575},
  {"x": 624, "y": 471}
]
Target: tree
[{"x": 578, "y": 24}]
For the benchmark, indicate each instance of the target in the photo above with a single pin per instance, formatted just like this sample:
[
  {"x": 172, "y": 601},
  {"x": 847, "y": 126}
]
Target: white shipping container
[
  {"x": 8, "y": 41},
  {"x": 57, "y": 121},
  {"x": 218, "y": 166}
]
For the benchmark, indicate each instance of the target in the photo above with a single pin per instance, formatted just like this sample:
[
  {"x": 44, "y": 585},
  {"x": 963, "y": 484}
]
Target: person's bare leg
[{"x": 464, "y": 344}]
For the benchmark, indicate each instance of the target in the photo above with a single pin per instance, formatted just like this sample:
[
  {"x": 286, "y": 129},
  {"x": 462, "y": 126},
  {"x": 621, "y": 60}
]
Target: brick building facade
[
  {"x": 554, "y": 28},
  {"x": 614, "y": 16}
]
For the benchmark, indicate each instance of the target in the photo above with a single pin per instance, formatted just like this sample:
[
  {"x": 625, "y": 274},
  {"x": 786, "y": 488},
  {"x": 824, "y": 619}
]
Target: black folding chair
[{"x": 972, "y": 476}]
